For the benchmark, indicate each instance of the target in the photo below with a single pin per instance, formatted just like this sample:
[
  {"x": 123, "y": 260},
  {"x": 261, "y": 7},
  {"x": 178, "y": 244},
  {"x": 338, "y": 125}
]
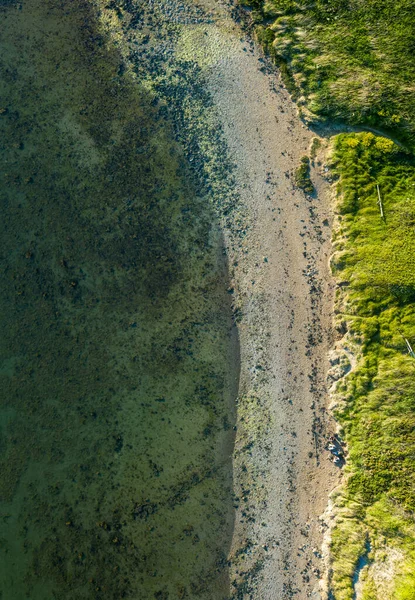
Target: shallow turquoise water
[{"x": 118, "y": 354}]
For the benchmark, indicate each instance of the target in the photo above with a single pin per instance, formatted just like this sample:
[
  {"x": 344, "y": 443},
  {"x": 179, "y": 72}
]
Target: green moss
[{"x": 315, "y": 145}]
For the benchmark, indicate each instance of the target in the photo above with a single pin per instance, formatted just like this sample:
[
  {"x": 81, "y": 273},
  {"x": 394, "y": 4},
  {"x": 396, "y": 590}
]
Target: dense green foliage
[
  {"x": 346, "y": 59},
  {"x": 375, "y": 261}
]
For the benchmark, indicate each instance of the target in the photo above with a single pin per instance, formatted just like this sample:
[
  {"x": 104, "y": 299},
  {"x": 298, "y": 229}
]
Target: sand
[
  {"x": 284, "y": 291},
  {"x": 229, "y": 105}
]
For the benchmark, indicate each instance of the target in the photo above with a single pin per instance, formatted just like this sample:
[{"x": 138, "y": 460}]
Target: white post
[
  {"x": 410, "y": 351},
  {"x": 380, "y": 202},
  {"x": 408, "y": 345}
]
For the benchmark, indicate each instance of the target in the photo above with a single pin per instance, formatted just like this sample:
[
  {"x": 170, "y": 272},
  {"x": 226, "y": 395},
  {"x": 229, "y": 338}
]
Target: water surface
[{"x": 118, "y": 355}]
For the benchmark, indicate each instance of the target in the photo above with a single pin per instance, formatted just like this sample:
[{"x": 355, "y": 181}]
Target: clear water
[{"x": 118, "y": 355}]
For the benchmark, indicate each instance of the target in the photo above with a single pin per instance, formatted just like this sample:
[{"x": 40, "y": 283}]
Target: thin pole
[
  {"x": 380, "y": 202},
  {"x": 410, "y": 351},
  {"x": 408, "y": 345}
]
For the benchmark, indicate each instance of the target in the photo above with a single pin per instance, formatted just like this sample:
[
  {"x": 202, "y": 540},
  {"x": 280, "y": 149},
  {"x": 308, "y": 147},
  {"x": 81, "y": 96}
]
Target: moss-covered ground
[
  {"x": 302, "y": 175},
  {"x": 375, "y": 264},
  {"x": 354, "y": 62}
]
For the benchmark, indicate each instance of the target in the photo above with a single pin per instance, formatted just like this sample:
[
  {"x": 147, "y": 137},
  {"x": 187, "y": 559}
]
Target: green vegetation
[
  {"x": 302, "y": 176},
  {"x": 354, "y": 62},
  {"x": 346, "y": 59},
  {"x": 374, "y": 258}
]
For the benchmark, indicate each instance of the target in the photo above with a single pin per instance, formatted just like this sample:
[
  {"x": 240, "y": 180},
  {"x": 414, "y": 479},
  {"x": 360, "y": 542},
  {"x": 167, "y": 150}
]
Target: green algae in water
[{"x": 117, "y": 343}]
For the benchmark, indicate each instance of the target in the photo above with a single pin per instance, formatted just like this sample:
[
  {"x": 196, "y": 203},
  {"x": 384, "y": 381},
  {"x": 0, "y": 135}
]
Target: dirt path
[{"x": 283, "y": 292}]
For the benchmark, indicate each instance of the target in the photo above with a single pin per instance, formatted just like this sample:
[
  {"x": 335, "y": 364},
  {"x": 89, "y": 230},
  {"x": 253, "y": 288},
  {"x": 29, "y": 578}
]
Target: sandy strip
[
  {"x": 278, "y": 247},
  {"x": 284, "y": 290}
]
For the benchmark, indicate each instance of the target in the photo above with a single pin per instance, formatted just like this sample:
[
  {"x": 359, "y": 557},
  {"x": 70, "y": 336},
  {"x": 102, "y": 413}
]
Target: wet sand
[{"x": 283, "y": 293}]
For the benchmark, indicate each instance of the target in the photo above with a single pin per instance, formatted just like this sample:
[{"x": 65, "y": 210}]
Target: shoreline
[
  {"x": 284, "y": 292},
  {"x": 240, "y": 141},
  {"x": 277, "y": 242}
]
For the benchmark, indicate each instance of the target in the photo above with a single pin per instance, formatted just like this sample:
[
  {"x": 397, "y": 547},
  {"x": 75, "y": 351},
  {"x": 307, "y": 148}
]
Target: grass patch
[
  {"x": 345, "y": 59},
  {"x": 374, "y": 257}
]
